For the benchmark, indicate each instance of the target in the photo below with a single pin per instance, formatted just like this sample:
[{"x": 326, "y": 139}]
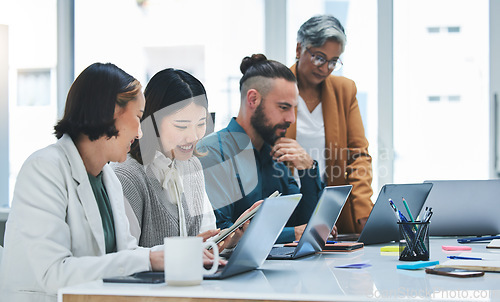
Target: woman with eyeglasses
[{"x": 329, "y": 124}]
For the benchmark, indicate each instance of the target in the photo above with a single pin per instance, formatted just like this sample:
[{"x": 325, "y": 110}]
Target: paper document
[
  {"x": 490, "y": 262},
  {"x": 494, "y": 244}
]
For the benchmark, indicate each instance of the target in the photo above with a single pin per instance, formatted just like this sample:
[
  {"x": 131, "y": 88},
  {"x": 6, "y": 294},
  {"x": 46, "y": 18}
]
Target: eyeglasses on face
[{"x": 319, "y": 60}]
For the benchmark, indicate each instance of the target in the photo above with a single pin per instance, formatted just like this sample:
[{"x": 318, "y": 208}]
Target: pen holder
[{"x": 413, "y": 241}]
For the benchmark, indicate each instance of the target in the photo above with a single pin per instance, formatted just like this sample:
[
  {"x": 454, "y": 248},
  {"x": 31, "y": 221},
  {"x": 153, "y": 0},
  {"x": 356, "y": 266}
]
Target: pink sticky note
[{"x": 456, "y": 248}]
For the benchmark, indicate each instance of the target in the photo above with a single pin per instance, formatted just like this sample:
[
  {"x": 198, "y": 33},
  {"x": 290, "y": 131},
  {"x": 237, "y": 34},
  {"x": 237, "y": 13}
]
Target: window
[
  {"x": 32, "y": 60},
  {"x": 437, "y": 87},
  {"x": 33, "y": 87}
]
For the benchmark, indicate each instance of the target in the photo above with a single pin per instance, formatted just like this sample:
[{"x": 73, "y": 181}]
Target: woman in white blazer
[{"x": 57, "y": 234}]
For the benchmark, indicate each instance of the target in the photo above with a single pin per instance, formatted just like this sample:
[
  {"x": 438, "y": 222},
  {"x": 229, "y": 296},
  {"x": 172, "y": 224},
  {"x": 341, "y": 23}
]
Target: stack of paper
[
  {"x": 489, "y": 262},
  {"x": 494, "y": 244}
]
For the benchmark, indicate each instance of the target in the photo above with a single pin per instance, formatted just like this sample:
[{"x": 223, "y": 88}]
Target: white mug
[{"x": 184, "y": 260}]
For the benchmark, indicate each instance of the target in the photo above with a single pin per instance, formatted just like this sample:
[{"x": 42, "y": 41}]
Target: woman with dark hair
[
  {"x": 162, "y": 181},
  {"x": 329, "y": 124},
  {"x": 67, "y": 224}
]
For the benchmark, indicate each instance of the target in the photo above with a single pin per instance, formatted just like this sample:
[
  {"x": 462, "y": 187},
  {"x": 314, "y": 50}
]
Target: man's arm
[
  {"x": 217, "y": 185},
  {"x": 222, "y": 162},
  {"x": 222, "y": 217},
  {"x": 289, "y": 151},
  {"x": 311, "y": 189}
]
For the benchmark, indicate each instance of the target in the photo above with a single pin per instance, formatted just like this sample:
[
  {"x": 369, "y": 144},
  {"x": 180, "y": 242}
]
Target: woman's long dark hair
[{"x": 164, "y": 95}]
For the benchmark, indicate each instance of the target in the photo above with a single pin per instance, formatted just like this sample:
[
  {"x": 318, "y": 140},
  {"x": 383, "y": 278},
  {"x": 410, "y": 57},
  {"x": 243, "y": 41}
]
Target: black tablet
[{"x": 142, "y": 277}]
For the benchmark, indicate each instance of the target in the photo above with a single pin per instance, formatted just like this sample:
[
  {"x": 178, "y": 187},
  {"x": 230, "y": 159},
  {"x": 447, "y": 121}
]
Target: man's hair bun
[{"x": 248, "y": 62}]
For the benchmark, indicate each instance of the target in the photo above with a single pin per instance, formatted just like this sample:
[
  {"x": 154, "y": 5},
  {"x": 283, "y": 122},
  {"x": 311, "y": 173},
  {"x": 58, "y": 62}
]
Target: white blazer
[{"x": 54, "y": 235}]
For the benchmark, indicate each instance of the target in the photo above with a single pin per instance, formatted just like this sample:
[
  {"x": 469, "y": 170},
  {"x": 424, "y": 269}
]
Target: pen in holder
[{"x": 413, "y": 240}]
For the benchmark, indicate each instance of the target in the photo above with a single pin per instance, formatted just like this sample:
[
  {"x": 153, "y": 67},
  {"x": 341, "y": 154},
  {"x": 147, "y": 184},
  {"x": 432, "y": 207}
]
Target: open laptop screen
[{"x": 381, "y": 225}]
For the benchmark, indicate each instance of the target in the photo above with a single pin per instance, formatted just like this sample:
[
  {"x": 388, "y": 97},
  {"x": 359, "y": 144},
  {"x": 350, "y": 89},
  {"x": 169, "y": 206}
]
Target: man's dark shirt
[{"x": 237, "y": 175}]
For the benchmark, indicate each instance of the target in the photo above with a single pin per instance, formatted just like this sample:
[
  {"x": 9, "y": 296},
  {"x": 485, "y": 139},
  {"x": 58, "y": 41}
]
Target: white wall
[{"x": 4, "y": 115}]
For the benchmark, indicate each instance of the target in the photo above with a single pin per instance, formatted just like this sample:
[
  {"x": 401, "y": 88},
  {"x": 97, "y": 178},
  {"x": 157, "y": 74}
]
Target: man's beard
[{"x": 260, "y": 123}]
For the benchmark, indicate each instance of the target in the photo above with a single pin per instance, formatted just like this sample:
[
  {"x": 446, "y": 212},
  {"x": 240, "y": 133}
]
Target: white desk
[{"x": 314, "y": 279}]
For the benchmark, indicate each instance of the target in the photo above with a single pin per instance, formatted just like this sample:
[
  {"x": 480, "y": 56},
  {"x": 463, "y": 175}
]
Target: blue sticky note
[{"x": 417, "y": 264}]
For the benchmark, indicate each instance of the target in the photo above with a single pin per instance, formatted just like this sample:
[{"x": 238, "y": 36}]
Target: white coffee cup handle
[{"x": 215, "y": 250}]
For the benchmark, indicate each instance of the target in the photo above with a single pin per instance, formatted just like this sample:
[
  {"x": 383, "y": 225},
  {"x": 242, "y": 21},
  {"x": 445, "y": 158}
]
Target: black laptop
[{"x": 381, "y": 225}]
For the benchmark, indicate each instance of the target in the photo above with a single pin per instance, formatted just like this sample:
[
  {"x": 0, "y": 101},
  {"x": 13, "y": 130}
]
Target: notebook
[
  {"x": 494, "y": 244},
  {"x": 464, "y": 207},
  {"x": 381, "y": 225},
  {"x": 320, "y": 225},
  {"x": 490, "y": 262},
  {"x": 259, "y": 237}
]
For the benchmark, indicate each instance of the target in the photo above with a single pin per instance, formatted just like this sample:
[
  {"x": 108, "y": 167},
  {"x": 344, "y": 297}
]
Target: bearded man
[{"x": 251, "y": 158}]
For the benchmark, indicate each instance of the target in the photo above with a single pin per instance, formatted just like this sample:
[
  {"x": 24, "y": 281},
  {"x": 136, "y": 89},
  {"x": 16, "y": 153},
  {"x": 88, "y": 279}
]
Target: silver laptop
[
  {"x": 259, "y": 237},
  {"x": 464, "y": 207},
  {"x": 320, "y": 224},
  {"x": 252, "y": 249},
  {"x": 381, "y": 225}
]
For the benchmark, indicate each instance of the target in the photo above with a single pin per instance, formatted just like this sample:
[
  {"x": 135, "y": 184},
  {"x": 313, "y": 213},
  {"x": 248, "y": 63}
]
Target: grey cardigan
[{"x": 158, "y": 218}]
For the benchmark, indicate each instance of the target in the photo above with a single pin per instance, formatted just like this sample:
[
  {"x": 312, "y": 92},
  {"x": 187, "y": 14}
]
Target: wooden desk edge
[{"x": 105, "y": 298}]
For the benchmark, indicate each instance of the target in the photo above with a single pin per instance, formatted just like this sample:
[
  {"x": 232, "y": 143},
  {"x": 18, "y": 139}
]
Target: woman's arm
[
  {"x": 135, "y": 227},
  {"x": 208, "y": 219},
  {"x": 55, "y": 231}
]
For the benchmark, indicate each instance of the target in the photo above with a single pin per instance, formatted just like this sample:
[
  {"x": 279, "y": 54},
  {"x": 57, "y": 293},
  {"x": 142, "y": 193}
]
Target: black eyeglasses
[{"x": 319, "y": 60}]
